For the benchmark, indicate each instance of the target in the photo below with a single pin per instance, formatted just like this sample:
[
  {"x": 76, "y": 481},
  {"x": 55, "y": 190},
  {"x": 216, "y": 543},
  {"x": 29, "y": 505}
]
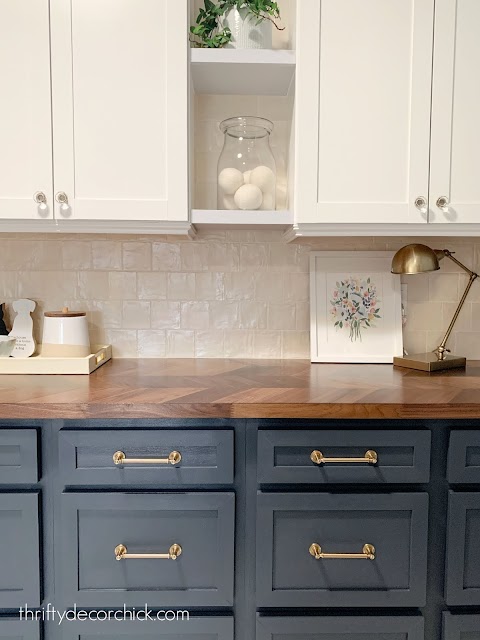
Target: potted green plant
[{"x": 240, "y": 24}]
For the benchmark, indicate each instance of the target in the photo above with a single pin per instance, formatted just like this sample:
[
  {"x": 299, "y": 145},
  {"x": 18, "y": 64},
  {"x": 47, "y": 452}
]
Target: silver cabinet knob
[
  {"x": 41, "y": 199},
  {"x": 61, "y": 197},
  {"x": 421, "y": 203},
  {"x": 442, "y": 203}
]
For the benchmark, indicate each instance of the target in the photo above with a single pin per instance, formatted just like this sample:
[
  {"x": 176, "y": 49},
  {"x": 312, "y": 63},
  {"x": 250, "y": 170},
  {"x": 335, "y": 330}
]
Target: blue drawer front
[
  {"x": 93, "y": 525},
  {"x": 340, "y": 628},
  {"x": 19, "y": 629},
  {"x": 18, "y": 456},
  {"x": 289, "y": 576},
  {"x": 464, "y": 457},
  {"x": 20, "y": 553},
  {"x": 462, "y": 586},
  {"x": 196, "y": 628},
  {"x": 87, "y": 457},
  {"x": 285, "y": 456},
  {"x": 465, "y": 627}
]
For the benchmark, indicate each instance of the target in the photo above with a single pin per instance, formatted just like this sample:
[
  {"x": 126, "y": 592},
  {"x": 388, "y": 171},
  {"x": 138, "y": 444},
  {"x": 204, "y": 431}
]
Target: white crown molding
[
  {"x": 98, "y": 226},
  {"x": 319, "y": 230}
]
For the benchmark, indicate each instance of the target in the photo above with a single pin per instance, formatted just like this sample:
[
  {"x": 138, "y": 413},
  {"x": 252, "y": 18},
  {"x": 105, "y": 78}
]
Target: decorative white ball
[
  {"x": 248, "y": 197},
  {"x": 246, "y": 176},
  {"x": 268, "y": 203},
  {"x": 230, "y": 180},
  {"x": 263, "y": 178},
  {"x": 228, "y": 203}
]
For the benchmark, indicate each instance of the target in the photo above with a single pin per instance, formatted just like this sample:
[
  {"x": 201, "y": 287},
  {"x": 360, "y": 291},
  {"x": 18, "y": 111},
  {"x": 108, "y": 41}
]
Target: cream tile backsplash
[{"x": 239, "y": 294}]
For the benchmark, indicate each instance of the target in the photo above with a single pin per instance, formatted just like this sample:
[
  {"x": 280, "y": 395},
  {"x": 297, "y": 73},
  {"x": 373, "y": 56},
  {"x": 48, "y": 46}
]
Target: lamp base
[{"x": 430, "y": 362}]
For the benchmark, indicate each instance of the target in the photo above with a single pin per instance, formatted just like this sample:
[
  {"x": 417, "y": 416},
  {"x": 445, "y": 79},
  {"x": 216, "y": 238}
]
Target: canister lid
[{"x": 64, "y": 313}]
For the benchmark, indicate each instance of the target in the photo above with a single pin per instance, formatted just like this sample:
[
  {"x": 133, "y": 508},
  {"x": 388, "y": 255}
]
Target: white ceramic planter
[{"x": 247, "y": 32}]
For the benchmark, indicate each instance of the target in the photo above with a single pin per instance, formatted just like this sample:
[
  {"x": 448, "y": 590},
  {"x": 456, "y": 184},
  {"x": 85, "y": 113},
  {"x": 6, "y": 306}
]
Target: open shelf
[
  {"x": 242, "y": 219},
  {"x": 243, "y": 71}
]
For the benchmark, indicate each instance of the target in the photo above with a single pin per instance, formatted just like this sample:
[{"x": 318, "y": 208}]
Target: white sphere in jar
[
  {"x": 263, "y": 177},
  {"x": 246, "y": 176},
  {"x": 268, "y": 203},
  {"x": 229, "y": 180},
  {"x": 248, "y": 197},
  {"x": 228, "y": 203}
]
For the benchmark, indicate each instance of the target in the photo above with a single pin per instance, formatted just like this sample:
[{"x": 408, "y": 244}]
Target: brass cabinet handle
[
  {"x": 121, "y": 553},
  {"x": 173, "y": 458},
  {"x": 368, "y": 553},
  {"x": 370, "y": 457}
]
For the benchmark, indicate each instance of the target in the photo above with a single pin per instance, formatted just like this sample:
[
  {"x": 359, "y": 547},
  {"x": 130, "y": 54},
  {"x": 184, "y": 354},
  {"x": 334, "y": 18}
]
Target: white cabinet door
[
  {"x": 363, "y": 110},
  {"x": 25, "y": 109},
  {"x": 120, "y": 89},
  {"x": 455, "y": 162}
]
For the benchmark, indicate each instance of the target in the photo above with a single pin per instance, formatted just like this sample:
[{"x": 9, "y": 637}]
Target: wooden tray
[{"x": 57, "y": 366}]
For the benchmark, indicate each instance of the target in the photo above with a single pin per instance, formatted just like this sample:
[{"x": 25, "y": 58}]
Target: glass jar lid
[{"x": 248, "y": 127}]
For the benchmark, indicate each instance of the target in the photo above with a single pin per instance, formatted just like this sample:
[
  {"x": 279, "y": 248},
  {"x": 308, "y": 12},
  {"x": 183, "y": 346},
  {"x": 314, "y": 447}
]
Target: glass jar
[{"x": 246, "y": 175}]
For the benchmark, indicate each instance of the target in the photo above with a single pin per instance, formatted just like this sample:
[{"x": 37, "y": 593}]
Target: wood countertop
[{"x": 207, "y": 388}]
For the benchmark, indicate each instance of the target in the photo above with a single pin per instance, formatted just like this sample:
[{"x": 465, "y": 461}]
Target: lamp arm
[{"x": 442, "y": 348}]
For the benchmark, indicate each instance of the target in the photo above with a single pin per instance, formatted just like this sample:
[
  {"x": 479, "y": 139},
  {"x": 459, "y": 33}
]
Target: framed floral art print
[{"x": 356, "y": 307}]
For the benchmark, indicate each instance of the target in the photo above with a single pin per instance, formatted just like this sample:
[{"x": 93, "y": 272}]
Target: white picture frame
[{"x": 355, "y": 307}]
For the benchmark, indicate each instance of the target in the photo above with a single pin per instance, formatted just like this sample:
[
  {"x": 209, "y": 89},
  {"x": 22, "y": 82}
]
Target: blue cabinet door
[
  {"x": 462, "y": 585},
  {"x": 292, "y": 572},
  {"x": 19, "y": 629},
  {"x": 195, "y": 628},
  {"x": 340, "y": 628},
  {"x": 464, "y": 457},
  {"x": 463, "y": 627},
  {"x": 20, "y": 550},
  {"x": 206, "y": 457},
  {"x": 398, "y": 456},
  {"x": 18, "y": 456},
  {"x": 94, "y": 570}
]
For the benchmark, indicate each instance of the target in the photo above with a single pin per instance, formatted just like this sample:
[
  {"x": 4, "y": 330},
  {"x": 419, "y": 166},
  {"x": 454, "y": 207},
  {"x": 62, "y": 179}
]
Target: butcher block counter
[{"x": 208, "y": 388}]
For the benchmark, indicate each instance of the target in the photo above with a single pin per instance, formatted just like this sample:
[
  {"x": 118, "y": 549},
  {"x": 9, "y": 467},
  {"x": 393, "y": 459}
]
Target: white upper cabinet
[
  {"x": 120, "y": 109},
  {"x": 455, "y": 158},
  {"x": 363, "y": 111},
  {"x": 25, "y": 110}
]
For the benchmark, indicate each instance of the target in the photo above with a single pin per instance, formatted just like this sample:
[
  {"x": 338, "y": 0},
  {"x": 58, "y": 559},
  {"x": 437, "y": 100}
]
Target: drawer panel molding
[
  {"x": 371, "y": 548},
  {"x": 340, "y": 627},
  {"x": 323, "y": 457},
  {"x": 464, "y": 457},
  {"x": 19, "y": 629},
  {"x": 142, "y": 457},
  {"x": 163, "y": 549},
  {"x": 18, "y": 456},
  {"x": 461, "y": 627}
]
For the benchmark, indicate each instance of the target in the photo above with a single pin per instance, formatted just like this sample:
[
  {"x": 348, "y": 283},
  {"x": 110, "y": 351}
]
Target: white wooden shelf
[
  {"x": 262, "y": 72},
  {"x": 242, "y": 219}
]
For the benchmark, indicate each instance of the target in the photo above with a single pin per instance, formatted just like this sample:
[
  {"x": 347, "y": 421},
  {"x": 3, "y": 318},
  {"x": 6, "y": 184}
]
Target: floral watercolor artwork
[{"x": 355, "y": 306}]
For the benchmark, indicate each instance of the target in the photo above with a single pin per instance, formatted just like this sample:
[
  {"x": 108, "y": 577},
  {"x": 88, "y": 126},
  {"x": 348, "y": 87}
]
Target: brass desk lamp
[{"x": 418, "y": 258}]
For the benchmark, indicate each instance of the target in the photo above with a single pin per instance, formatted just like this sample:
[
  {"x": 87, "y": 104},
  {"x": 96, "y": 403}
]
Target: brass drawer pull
[
  {"x": 368, "y": 553},
  {"x": 121, "y": 553},
  {"x": 371, "y": 457},
  {"x": 173, "y": 458}
]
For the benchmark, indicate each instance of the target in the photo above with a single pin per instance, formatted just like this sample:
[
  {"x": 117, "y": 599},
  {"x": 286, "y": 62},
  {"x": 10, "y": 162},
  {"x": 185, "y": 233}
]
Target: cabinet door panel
[
  {"x": 25, "y": 109},
  {"x": 288, "y": 575},
  {"x": 463, "y": 567},
  {"x": 340, "y": 628},
  {"x": 120, "y": 81},
  {"x": 19, "y": 630},
  {"x": 18, "y": 456},
  {"x": 93, "y": 525},
  {"x": 456, "y": 103},
  {"x": 465, "y": 627},
  {"x": 464, "y": 457},
  {"x": 363, "y": 95},
  {"x": 20, "y": 557}
]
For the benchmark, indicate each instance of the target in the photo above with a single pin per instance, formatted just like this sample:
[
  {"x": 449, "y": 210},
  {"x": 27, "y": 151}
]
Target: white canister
[
  {"x": 65, "y": 334},
  {"x": 247, "y": 31}
]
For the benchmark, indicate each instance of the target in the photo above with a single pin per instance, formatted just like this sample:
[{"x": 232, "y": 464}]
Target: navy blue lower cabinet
[
  {"x": 303, "y": 538},
  {"x": 20, "y": 550},
  {"x": 161, "y": 549},
  {"x": 199, "y": 457},
  {"x": 18, "y": 456},
  {"x": 299, "y": 456},
  {"x": 461, "y": 627},
  {"x": 340, "y": 628},
  {"x": 211, "y": 628},
  {"x": 463, "y": 559},
  {"x": 19, "y": 629}
]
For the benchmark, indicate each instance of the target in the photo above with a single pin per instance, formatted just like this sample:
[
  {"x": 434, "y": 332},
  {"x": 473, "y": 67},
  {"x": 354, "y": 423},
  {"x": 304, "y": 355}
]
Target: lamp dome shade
[{"x": 415, "y": 258}]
